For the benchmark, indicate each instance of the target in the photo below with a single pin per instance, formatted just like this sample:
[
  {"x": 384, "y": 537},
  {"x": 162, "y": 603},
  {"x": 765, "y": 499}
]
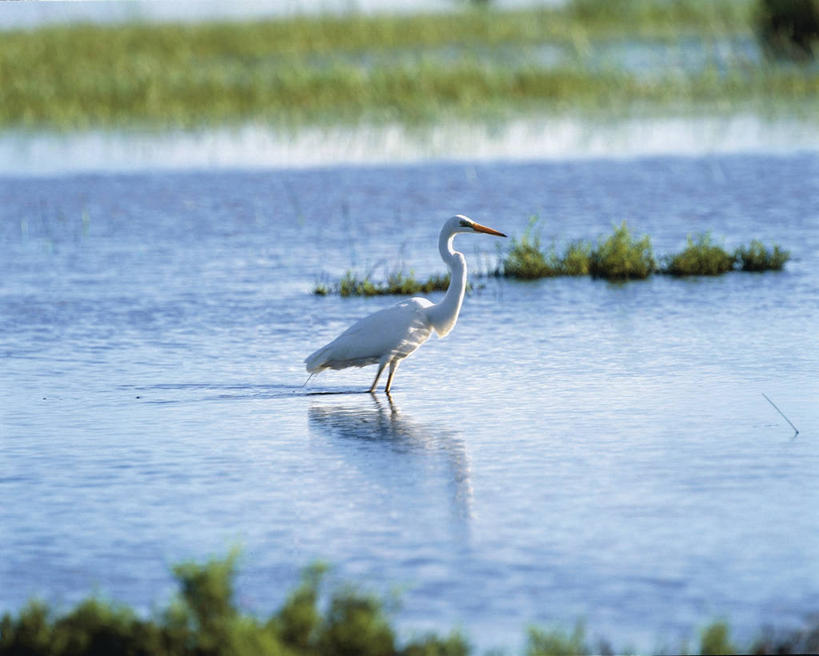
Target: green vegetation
[
  {"x": 468, "y": 63},
  {"x": 618, "y": 257},
  {"x": 397, "y": 283},
  {"x": 203, "y": 620},
  {"x": 700, "y": 258},
  {"x": 756, "y": 257},
  {"x": 621, "y": 257}
]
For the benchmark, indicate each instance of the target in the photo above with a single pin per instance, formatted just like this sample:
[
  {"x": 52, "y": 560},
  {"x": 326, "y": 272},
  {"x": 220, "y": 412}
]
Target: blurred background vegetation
[{"x": 472, "y": 61}]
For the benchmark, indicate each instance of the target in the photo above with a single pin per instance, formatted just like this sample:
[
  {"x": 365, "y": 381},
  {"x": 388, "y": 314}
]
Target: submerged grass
[
  {"x": 381, "y": 68},
  {"x": 203, "y": 619}
]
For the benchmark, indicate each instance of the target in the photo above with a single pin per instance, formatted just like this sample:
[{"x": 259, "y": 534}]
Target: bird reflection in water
[{"x": 381, "y": 424}]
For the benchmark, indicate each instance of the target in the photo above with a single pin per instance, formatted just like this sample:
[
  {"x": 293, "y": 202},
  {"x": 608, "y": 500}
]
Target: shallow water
[{"x": 574, "y": 449}]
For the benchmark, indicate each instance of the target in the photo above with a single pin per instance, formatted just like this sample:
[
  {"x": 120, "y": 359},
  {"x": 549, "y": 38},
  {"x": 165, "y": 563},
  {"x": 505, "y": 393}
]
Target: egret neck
[{"x": 443, "y": 315}]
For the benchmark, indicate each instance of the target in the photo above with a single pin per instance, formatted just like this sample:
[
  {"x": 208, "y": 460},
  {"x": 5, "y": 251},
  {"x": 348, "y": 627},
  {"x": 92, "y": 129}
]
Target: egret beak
[{"x": 477, "y": 227}]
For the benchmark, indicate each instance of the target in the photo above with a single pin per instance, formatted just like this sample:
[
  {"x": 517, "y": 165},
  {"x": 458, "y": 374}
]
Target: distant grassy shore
[
  {"x": 204, "y": 620},
  {"x": 468, "y": 63}
]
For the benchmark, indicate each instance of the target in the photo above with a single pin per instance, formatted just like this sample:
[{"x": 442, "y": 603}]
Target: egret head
[{"x": 461, "y": 223}]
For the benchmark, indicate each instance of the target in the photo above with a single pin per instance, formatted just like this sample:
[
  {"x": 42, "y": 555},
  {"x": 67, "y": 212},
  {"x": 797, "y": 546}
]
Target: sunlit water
[{"x": 573, "y": 450}]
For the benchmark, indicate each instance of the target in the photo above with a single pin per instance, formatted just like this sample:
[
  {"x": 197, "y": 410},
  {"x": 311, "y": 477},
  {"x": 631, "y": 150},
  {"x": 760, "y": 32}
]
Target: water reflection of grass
[
  {"x": 204, "y": 620},
  {"x": 409, "y": 68}
]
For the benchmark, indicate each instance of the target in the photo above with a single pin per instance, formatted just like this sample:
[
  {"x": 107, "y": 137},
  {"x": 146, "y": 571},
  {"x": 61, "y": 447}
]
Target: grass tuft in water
[
  {"x": 557, "y": 643},
  {"x": 715, "y": 640},
  {"x": 622, "y": 257},
  {"x": 755, "y": 257},
  {"x": 397, "y": 283},
  {"x": 527, "y": 261},
  {"x": 700, "y": 258}
]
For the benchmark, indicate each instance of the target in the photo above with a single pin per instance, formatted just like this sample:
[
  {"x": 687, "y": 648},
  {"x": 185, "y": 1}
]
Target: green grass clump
[
  {"x": 203, "y": 620},
  {"x": 576, "y": 261},
  {"x": 755, "y": 257},
  {"x": 700, "y": 258},
  {"x": 621, "y": 257},
  {"x": 397, "y": 283},
  {"x": 526, "y": 260}
]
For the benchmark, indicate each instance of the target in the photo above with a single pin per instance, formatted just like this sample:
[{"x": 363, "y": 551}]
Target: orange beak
[{"x": 477, "y": 227}]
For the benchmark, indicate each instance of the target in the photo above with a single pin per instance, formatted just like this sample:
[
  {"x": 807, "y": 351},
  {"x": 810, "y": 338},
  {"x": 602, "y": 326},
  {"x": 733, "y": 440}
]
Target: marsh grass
[
  {"x": 620, "y": 256},
  {"x": 315, "y": 620},
  {"x": 357, "y": 67},
  {"x": 756, "y": 257},
  {"x": 699, "y": 258},
  {"x": 617, "y": 257},
  {"x": 397, "y": 283}
]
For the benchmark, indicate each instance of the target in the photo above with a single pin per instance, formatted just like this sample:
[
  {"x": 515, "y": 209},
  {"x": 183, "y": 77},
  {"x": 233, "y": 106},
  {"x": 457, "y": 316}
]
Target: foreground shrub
[
  {"x": 203, "y": 620},
  {"x": 700, "y": 258},
  {"x": 621, "y": 257},
  {"x": 756, "y": 257}
]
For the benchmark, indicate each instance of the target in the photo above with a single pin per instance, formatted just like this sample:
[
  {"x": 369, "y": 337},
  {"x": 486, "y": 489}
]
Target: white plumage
[{"x": 390, "y": 335}]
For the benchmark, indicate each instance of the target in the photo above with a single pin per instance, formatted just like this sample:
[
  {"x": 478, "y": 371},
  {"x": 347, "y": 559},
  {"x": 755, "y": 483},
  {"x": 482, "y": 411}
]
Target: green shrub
[
  {"x": 700, "y": 258},
  {"x": 557, "y": 643},
  {"x": 715, "y": 641},
  {"x": 576, "y": 260},
  {"x": 397, "y": 284},
  {"x": 621, "y": 257},
  {"x": 756, "y": 257}
]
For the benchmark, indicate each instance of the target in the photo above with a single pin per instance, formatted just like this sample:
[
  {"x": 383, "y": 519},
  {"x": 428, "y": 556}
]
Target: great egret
[{"x": 390, "y": 335}]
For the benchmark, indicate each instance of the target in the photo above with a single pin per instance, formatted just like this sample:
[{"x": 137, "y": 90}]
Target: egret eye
[{"x": 465, "y": 223}]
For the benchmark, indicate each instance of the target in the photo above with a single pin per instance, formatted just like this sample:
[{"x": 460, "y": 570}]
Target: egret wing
[{"x": 393, "y": 332}]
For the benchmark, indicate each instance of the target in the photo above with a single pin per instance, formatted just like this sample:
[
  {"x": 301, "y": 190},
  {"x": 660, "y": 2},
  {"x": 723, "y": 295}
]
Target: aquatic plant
[
  {"x": 576, "y": 261},
  {"x": 203, "y": 620},
  {"x": 700, "y": 258},
  {"x": 755, "y": 257},
  {"x": 621, "y": 257},
  {"x": 526, "y": 260},
  {"x": 397, "y": 283}
]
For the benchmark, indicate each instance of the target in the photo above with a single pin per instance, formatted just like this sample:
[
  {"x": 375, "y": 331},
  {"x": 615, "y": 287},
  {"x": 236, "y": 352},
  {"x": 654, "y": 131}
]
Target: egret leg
[
  {"x": 393, "y": 367},
  {"x": 377, "y": 376}
]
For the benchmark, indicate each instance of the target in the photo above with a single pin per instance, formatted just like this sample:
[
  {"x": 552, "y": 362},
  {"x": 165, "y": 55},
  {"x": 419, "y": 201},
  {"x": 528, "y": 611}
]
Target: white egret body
[{"x": 388, "y": 336}]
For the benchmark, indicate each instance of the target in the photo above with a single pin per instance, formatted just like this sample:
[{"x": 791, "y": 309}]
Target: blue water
[{"x": 573, "y": 450}]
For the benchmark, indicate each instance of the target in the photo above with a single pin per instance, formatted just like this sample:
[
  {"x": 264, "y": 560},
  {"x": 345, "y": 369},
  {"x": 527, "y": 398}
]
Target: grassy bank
[
  {"x": 470, "y": 64},
  {"x": 204, "y": 620}
]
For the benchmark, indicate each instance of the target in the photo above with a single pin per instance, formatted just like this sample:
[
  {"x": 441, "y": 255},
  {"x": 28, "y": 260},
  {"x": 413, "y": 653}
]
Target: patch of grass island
[{"x": 397, "y": 283}]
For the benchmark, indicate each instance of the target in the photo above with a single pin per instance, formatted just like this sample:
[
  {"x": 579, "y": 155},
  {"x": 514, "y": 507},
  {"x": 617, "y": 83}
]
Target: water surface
[{"x": 574, "y": 449}]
